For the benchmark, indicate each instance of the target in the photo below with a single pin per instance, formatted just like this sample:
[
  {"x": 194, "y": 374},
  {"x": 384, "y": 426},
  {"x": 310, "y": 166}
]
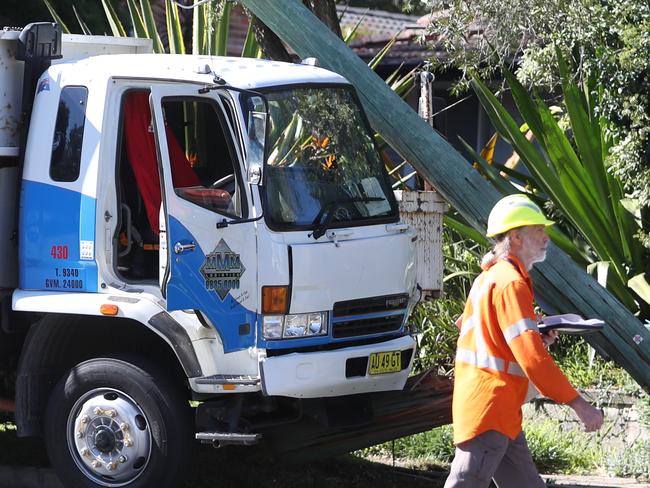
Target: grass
[
  {"x": 561, "y": 451},
  {"x": 553, "y": 450},
  {"x": 433, "y": 447}
]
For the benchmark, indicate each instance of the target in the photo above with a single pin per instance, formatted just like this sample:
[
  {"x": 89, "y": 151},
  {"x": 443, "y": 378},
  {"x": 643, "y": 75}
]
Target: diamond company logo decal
[{"x": 222, "y": 269}]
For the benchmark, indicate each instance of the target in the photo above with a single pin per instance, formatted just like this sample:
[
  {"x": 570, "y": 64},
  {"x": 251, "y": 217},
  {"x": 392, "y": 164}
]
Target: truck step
[
  {"x": 220, "y": 439},
  {"x": 222, "y": 379}
]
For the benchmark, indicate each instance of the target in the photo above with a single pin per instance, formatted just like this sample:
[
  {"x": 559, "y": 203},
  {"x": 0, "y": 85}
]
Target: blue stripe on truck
[{"x": 53, "y": 223}]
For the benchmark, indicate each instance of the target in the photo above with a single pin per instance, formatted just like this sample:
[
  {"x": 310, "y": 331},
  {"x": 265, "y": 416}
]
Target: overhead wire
[{"x": 189, "y": 7}]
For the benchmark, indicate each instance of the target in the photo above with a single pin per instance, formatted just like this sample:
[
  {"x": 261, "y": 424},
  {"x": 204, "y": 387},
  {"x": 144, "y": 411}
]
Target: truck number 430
[{"x": 59, "y": 252}]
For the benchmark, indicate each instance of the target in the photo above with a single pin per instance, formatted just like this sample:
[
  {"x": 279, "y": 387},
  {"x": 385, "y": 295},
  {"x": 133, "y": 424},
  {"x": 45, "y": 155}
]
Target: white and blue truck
[{"x": 192, "y": 248}]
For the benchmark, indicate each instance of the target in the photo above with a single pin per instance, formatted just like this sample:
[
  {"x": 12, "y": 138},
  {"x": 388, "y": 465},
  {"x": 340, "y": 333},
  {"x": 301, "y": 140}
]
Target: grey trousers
[{"x": 493, "y": 456}]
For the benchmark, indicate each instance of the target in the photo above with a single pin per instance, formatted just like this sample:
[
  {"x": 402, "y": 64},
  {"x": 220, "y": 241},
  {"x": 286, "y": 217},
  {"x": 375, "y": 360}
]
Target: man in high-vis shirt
[{"x": 499, "y": 351}]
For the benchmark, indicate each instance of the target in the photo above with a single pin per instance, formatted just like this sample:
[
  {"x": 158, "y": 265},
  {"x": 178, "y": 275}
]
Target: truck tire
[{"x": 117, "y": 423}]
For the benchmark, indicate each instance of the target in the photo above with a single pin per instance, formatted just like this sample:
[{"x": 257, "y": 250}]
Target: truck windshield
[{"x": 322, "y": 167}]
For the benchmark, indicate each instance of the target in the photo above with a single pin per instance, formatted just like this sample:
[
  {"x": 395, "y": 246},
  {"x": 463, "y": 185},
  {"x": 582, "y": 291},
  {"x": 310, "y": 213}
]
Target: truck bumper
[{"x": 323, "y": 374}]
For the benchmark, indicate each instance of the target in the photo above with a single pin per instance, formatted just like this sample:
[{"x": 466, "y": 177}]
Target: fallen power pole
[{"x": 424, "y": 404}]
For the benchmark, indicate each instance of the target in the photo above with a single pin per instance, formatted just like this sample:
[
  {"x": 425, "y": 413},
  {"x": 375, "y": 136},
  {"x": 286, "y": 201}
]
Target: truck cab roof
[{"x": 246, "y": 73}]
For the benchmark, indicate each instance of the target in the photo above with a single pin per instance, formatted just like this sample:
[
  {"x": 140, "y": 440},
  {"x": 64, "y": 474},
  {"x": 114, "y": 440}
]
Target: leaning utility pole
[{"x": 561, "y": 286}]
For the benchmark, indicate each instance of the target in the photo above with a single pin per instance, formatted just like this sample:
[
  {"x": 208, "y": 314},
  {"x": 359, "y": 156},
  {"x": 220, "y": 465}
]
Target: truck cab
[{"x": 224, "y": 227}]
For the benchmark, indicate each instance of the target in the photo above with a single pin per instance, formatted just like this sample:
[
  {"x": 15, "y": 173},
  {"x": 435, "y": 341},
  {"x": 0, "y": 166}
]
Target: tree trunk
[
  {"x": 325, "y": 10},
  {"x": 272, "y": 46}
]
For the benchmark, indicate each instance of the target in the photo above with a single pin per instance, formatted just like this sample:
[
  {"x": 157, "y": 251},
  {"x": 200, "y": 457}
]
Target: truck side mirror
[{"x": 256, "y": 140}]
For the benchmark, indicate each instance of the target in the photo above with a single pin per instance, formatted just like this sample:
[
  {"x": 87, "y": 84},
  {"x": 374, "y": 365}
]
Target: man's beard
[
  {"x": 539, "y": 257},
  {"x": 536, "y": 256}
]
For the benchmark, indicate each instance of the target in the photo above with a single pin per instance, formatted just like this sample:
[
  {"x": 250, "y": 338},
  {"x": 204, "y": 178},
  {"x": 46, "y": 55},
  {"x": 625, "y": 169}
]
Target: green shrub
[
  {"x": 584, "y": 369},
  {"x": 643, "y": 407},
  {"x": 437, "y": 333},
  {"x": 434, "y": 320},
  {"x": 558, "y": 451},
  {"x": 435, "y": 445},
  {"x": 631, "y": 462}
]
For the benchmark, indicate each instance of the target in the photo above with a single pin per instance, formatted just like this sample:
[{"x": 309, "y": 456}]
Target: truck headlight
[
  {"x": 294, "y": 325},
  {"x": 273, "y": 326}
]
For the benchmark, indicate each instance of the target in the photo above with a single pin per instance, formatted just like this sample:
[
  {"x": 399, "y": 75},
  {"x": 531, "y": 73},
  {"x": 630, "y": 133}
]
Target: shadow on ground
[{"x": 24, "y": 462}]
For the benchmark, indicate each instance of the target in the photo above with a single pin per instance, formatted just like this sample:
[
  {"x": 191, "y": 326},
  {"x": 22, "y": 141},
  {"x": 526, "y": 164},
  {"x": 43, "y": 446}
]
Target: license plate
[{"x": 385, "y": 362}]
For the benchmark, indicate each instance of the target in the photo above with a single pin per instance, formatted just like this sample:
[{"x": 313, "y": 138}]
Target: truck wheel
[{"x": 112, "y": 423}]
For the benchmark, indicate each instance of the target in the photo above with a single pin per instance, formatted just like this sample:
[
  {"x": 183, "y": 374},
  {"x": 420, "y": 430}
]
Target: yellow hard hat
[{"x": 514, "y": 211}]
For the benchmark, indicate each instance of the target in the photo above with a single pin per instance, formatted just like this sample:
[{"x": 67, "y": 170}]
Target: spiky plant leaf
[{"x": 113, "y": 20}]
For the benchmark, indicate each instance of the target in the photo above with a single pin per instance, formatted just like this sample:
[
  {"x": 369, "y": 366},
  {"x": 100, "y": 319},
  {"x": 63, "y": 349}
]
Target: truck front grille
[
  {"x": 351, "y": 318},
  {"x": 386, "y": 303}
]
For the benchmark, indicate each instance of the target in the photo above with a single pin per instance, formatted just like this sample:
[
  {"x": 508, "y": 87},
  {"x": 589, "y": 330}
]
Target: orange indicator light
[
  {"x": 108, "y": 309},
  {"x": 275, "y": 299}
]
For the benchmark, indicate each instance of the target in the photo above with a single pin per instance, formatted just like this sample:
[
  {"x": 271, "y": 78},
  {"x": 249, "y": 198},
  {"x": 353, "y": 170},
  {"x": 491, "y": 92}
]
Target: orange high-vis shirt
[{"x": 499, "y": 349}]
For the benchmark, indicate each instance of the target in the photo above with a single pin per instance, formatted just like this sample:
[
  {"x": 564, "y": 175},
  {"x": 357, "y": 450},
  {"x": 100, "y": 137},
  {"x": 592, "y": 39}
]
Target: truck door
[{"x": 209, "y": 264}]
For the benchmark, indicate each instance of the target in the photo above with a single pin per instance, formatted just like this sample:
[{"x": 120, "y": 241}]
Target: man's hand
[
  {"x": 591, "y": 417},
  {"x": 549, "y": 337}
]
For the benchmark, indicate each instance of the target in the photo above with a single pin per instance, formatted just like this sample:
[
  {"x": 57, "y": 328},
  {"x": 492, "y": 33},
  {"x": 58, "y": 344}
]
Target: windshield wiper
[{"x": 324, "y": 217}]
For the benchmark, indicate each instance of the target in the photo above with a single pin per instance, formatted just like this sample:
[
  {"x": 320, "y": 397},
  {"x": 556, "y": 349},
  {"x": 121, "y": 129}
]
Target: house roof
[
  {"x": 375, "y": 25},
  {"x": 413, "y": 44}
]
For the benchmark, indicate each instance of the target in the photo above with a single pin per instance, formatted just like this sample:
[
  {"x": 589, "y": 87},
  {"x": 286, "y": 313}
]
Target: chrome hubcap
[{"x": 109, "y": 437}]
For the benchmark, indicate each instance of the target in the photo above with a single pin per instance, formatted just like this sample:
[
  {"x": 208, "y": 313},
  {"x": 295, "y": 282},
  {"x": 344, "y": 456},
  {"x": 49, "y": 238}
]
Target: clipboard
[{"x": 570, "y": 323}]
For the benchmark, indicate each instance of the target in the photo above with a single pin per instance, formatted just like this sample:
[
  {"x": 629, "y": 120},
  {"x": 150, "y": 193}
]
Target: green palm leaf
[
  {"x": 374, "y": 62},
  {"x": 113, "y": 20},
  {"x": 199, "y": 29},
  {"x": 465, "y": 230},
  {"x": 570, "y": 168},
  {"x": 150, "y": 26},
  {"x": 222, "y": 31},
  {"x": 174, "y": 29},
  {"x": 84, "y": 27},
  {"x": 56, "y": 17},
  {"x": 251, "y": 48},
  {"x": 136, "y": 20}
]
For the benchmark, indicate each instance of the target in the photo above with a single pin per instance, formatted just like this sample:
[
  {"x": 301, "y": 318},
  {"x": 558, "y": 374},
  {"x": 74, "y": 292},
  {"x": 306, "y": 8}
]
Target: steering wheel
[{"x": 226, "y": 183}]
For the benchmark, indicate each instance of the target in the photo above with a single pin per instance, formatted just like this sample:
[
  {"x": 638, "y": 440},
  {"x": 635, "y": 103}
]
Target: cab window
[
  {"x": 68, "y": 134},
  {"x": 202, "y": 155}
]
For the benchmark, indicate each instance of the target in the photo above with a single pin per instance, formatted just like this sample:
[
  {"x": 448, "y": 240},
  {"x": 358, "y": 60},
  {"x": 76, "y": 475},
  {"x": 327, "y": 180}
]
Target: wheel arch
[{"x": 58, "y": 342}]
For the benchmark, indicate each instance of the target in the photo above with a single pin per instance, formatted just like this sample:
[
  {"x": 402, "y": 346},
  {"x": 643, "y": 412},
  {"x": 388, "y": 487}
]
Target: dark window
[
  {"x": 68, "y": 134},
  {"x": 202, "y": 155}
]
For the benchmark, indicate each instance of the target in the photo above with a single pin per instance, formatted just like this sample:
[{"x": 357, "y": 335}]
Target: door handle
[
  {"x": 399, "y": 228},
  {"x": 181, "y": 248},
  {"x": 335, "y": 235}
]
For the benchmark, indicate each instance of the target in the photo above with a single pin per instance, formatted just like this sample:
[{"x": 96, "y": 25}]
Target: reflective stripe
[
  {"x": 480, "y": 287},
  {"x": 515, "y": 369},
  {"x": 487, "y": 361},
  {"x": 466, "y": 326},
  {"x": 518, "y": 328},
  {"x": 480, "y": 360}
]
